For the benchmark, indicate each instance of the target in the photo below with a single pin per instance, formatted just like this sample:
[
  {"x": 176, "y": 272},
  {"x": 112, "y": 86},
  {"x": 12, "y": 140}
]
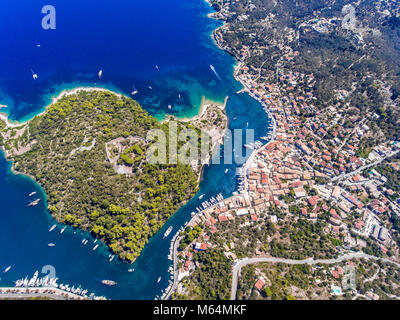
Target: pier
[{"x": 37, "y": 292}]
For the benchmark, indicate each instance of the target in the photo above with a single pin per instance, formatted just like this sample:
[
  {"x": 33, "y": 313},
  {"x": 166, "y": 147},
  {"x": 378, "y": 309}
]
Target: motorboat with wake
[{"x": 7, "y": 269}]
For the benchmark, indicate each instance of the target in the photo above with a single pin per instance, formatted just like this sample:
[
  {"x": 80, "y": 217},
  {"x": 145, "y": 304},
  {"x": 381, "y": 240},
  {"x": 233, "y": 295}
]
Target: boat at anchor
[
  {"x": 166, "y": 234},
  {"x": 108, "y": 282},
  {"x": 33, "y": 203}
]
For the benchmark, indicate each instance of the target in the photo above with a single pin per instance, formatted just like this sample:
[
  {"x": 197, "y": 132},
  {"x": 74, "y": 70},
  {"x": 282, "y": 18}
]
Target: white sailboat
[
  {"x": 100, "y": 73},
  {"x": 134, "y": 91}
]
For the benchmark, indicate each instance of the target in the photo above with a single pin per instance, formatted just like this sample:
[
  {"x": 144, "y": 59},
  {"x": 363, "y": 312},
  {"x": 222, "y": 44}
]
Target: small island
[{"x": 88, "y": 152}]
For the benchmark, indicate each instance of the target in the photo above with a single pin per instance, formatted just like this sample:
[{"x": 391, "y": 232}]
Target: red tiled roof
[{"x": 259, "y": 284}]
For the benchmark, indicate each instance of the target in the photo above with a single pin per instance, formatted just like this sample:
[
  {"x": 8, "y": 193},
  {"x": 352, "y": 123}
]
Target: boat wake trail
[{"x": 215, "y": 72}]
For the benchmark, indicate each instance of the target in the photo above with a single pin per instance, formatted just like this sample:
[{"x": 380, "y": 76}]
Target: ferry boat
[
  {"x": 33, "y": 203},
  {"x": 52, "y": 227},
  {"x": 166, "y": 234},
  {"x": 108, "y": 282},
  {"x": 62, "y": 230},
  {"x": 51, "y": 244},
  {"x": 6, "y": 269}
]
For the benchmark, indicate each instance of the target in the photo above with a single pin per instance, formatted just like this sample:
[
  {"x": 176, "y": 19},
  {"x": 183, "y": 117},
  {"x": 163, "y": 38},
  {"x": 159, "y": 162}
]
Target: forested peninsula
[{"x": 87, "y": 150}]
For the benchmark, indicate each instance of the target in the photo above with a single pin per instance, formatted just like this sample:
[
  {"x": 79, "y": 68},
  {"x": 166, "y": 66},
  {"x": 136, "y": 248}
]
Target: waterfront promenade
[
  {"x": 36, "y": 292},
  {"x": 245, "y": 168}
]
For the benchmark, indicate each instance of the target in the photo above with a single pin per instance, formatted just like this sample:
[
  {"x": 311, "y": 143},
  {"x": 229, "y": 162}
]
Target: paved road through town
[{"x": 345, "y": 176}]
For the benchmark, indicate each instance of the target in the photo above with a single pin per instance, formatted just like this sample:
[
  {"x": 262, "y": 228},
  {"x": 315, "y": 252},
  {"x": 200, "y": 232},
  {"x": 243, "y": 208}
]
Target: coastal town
[
  {"x": 315, "y": 167},
  {"x": 311, "y": 213}
]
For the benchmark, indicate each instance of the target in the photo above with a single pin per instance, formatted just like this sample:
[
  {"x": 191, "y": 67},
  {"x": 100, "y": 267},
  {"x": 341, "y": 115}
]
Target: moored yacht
[
  {"x": 33, "y": 203},
  {"x": 108, "y": 282},
  {"x": 166, "y": 234}
]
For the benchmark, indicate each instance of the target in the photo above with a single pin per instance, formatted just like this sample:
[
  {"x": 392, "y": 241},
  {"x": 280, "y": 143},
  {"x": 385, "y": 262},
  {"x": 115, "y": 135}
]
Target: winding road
[{"x": 244, "y": 262}]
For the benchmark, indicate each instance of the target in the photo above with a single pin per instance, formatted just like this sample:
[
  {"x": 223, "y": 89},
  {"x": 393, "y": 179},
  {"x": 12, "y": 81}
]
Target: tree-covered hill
[{"x": 64, "y": 149}]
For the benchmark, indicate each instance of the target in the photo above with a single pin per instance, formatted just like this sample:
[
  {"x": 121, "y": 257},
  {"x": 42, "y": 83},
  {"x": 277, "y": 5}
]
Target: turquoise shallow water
[{"x": 126, "y": 39}]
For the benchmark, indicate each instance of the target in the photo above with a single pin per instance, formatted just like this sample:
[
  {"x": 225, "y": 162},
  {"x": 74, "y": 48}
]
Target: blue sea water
[{"x": 126, "y": 39}]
